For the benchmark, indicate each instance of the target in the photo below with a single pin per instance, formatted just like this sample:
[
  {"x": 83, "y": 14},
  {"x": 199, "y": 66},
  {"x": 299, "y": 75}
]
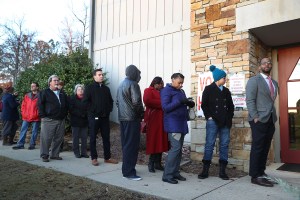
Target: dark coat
[
  {"x": 218, "y": 105},
  {"x": 157, "y": 139},
  {"x": 78, "y": 112},
  {"x": 98, "y": 100},
  {"x": 175, "y": 112},
  {"x": 49, "y": 106},
  {"x": 10, "y": 107}
]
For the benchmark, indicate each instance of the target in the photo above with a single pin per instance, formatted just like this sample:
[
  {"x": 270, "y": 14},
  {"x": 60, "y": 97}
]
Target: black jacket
[
  {"x": 49, "y": 106},
  {"x": 78, "y": 112},
  {"x": 218, "y": 105},
  {"x": 98, "y": 100}
]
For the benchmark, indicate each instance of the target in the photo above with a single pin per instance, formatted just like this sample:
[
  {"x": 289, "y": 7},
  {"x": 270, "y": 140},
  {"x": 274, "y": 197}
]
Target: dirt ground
[{"x": 24, "y": 181}]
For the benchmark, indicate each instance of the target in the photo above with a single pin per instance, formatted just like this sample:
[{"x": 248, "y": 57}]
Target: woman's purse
[{"x": 191, "y": 114}]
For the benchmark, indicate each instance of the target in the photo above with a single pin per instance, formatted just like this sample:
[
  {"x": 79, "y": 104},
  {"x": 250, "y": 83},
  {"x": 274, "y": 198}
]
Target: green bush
[{"x": 72, "y": 69}]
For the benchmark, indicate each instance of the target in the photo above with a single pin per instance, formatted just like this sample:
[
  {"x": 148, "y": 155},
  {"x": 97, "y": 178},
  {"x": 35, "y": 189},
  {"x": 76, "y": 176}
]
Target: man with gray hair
[{"x": 53, "y": 107}]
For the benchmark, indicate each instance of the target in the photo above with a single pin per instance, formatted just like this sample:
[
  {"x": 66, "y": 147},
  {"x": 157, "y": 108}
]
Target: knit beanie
[{"x": 217, "y": 73}]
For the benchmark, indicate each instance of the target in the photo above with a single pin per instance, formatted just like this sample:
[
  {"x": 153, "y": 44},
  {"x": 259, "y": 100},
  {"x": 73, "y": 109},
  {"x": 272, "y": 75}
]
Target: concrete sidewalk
[{"x": 212, "y": 188}]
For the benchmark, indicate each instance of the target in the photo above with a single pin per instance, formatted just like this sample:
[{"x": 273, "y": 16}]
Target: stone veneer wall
[{"x": 214, "y": 40}]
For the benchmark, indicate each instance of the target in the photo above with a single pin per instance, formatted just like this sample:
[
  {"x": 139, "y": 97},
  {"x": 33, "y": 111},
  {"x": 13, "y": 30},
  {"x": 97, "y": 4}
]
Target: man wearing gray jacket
[
  {"x": 261, "y": 92},
  {"x": 130, "y": 112}
]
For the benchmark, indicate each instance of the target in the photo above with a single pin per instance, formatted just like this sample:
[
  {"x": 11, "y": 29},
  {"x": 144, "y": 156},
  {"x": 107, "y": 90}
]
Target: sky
[{"x": 43, "y": 16}]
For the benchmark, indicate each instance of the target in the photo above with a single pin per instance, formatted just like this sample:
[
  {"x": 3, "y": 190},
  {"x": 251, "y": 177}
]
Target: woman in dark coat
[
  {"x": 79, "y": 122},
  {"x": 174, "y": 104},
  {"x": 156, "y": 138}
]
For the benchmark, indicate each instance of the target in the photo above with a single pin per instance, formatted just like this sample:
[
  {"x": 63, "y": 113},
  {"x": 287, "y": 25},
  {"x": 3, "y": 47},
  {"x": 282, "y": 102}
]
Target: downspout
[{"x": 92, "y": 28}]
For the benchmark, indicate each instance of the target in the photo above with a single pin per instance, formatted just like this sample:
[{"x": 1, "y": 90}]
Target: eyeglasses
[{"x": 266, "y": 63}]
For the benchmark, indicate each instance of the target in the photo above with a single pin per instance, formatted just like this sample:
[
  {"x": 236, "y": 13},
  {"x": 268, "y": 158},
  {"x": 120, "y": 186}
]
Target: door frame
[{"x": 286, "y": 56}]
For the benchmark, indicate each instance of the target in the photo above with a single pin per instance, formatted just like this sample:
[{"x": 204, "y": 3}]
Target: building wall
[
  {"x": 153, "y": 35},
  {"x": 215, "y": 40}
]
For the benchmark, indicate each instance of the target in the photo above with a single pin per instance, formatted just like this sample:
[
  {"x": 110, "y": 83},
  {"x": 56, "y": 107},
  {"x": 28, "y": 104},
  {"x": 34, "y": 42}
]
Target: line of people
[{"x": 165, "y": 115}]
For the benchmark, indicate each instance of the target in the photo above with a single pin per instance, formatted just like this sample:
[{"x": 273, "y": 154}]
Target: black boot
[
  {"x": 151, "y": 163},
  {"x": 222, "y": 173},
  {"x": 157, "y": 162},
  {"x": 206, "y": 165}
]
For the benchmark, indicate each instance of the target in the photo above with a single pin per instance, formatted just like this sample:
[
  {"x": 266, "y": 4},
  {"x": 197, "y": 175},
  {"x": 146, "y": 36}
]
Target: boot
[
  {"x": 157, "y": 162},
  {"x": 5, "y": 140},
  {"x": 11, "y": 140},
  {"x": 151, "y": 163},
  {"x": 222, "y": 173},
  {"x": 206, "y": 165}
]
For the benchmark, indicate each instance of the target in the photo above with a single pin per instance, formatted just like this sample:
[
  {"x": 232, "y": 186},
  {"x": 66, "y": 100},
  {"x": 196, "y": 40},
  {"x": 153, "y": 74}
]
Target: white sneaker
[{"x": 133, "y": 178}]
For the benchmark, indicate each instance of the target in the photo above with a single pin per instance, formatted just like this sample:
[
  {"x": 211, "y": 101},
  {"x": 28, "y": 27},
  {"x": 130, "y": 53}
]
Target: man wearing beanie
[
  {"x": 218, "y": 108},
  {"x": 130, "y": 113}
]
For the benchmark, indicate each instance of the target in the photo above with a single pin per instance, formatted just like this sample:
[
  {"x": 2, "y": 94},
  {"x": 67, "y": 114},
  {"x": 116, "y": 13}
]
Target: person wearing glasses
[
  {"x": 261, "y": 92},
  {"x": 53, "y": 109},
  {"x": 218, "y": 109}
]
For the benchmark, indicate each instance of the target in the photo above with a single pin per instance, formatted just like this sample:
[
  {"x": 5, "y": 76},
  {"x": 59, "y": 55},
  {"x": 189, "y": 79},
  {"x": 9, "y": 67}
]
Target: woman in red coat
[{"x": 157, "y": 139}]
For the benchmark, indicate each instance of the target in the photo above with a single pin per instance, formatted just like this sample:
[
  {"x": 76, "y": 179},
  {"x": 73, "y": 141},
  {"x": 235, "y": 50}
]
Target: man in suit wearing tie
[{"x": 261, "y": 92}]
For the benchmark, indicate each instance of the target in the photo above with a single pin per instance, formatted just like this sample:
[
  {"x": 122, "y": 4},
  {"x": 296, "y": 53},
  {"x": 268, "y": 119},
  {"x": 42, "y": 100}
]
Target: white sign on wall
[
  {"x": 204, "y": 79},
  {"x": 237, "y": 84},
  {"x": 239, "y": 101}
]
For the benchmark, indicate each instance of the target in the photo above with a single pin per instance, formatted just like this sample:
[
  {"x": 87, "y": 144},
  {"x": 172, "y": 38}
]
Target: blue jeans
[
  {"x": 212, "y": 130},
  {"x": 34, "y": 133}
]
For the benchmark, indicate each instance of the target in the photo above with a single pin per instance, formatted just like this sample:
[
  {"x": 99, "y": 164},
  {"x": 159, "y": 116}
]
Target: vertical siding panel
[
  {"x": 144, "y": 15},
  {"x": 128, "y": 54},
  {"x": 104, "y": 21},
  {"x": 97, "y": 59},
  {"x": 177, "y": 52},
  {"x": 152, "y": 15},
  {"x": 168, "y": 12},
  {"x": 136, "y": 54},
  {"x": 122, "y": 62},
  {"x": 130, "y": 14},
  {"x": 123, "y": 18},
  {"x": 159, "y": 52},
  {"x": 186, "y": 11},
  {"x": 98, "y": 22},
  {"x": 110, "y": 18},
  {"x": 103, "y": 59},
  {"x": 144, "y": 63},
  {"x": 116, "y": 33},
  {"x": 115, "y": 80},
  {"x": 168, "y": 65},
  {"x": 177, "y": 11},
  {"x": 151, "y": 61},
  {"x": 109, "y": 65},
  {"x": 160, "y": 13},
  {"x": 136, "y": 16}
]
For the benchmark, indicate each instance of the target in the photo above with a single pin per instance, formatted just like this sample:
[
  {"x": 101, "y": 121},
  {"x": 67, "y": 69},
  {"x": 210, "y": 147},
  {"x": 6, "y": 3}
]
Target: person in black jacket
[
  {"x": 218, "y": 108},
  {"x": 79, "y": 122},
  {"x": 53, "y": 108},
  {"x": 97, "y": 98}
]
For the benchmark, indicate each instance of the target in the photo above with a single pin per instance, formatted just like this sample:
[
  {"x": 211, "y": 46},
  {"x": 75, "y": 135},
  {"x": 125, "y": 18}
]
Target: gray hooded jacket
[{"x": 129, "y": 98}]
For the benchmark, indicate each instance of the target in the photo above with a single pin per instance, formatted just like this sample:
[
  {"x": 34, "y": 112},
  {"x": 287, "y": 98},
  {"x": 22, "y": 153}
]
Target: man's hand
[{"x": 255, "y": 120}]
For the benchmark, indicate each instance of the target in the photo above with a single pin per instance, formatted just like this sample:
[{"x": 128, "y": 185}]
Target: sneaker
[
  {"x": 111, "y": 161},
  {"x": 56, "y": 158},
  {"x": 95, "y": 162},
  {"x": 77, "y": 156},
  {"x": 133, "y": 178},
  {"x": 18, "y": 147},
  {"x": 85, "y": 156},
  {"x": 31, "y": 147}
]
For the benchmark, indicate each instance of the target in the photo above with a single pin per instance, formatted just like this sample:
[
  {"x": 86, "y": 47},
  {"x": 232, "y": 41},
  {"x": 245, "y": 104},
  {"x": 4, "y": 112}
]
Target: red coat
[
  {"x": 29, "y": 108},
  {"x": 157, "y": 138}
]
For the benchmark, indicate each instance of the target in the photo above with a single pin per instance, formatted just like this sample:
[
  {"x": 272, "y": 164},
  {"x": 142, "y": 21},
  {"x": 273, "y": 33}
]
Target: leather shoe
[
  {"x": 56, "y": 158},
  {"x": 270, "y": 179},
  {"x": 95, "y": 162},
  {"x": 261, "y": 181},
  {"x": 170, "y": 180},
  {"x": 180, "y": 178},
  {"x": 111, "y": 161}
]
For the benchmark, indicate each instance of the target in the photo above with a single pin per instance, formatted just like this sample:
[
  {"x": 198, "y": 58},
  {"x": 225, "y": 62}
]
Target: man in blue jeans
[
  {"x": 29, "y": 111},
  {"x": 218, "y": 109}
]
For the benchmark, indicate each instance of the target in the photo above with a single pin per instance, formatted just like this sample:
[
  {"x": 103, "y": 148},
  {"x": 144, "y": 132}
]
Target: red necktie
[{"x": 271, "y": 87}]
